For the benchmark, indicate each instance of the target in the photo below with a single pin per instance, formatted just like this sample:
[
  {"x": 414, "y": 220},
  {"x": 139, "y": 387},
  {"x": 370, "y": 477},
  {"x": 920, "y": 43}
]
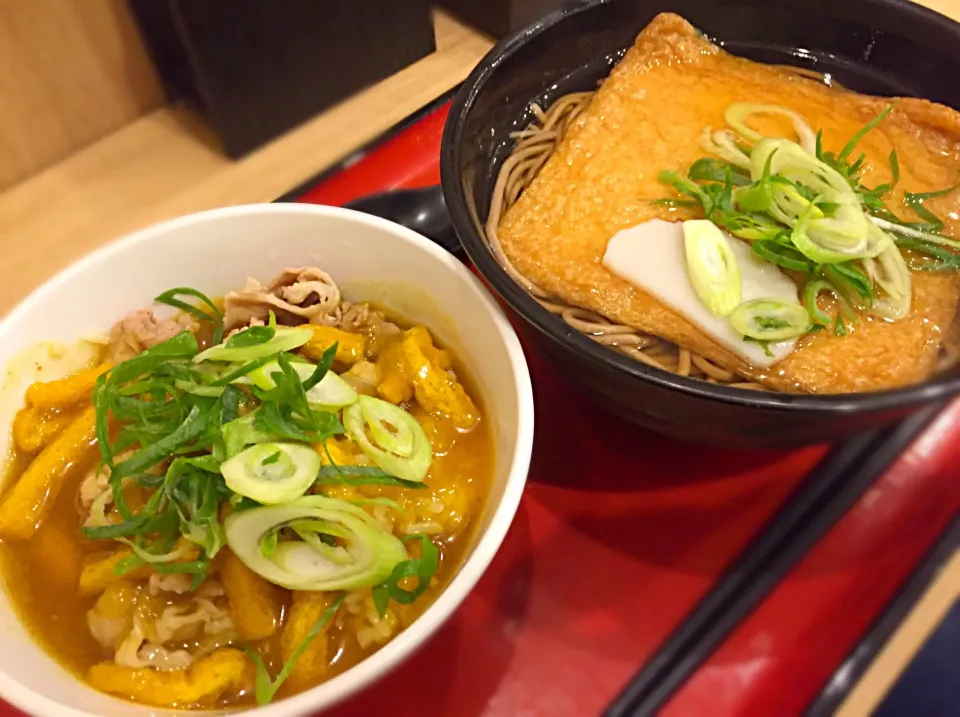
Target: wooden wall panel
[{"x": 71, "y": 71}]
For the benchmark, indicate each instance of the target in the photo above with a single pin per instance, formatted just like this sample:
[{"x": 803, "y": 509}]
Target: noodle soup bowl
[
  {"x": 881, "y": 47},
  {"x": 371, "y": 259}
]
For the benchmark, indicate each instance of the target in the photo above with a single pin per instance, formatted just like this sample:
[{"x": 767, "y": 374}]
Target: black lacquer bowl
[{"x": 883, "y": 47}]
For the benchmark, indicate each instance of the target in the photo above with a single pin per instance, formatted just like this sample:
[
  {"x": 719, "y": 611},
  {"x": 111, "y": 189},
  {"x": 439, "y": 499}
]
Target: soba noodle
[{"x": 534, "y": 146}]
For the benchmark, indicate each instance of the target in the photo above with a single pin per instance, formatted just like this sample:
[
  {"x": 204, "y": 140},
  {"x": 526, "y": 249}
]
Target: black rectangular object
[
  {"x": 257, "y": 68},
  {"x": 500, "y": 17}
]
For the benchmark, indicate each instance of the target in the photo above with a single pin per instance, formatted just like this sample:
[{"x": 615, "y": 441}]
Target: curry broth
[{"x": 41, "y": 574}]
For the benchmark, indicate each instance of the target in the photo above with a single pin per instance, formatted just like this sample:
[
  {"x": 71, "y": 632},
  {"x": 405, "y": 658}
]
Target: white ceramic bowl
[{"x": 215, "y": 251}]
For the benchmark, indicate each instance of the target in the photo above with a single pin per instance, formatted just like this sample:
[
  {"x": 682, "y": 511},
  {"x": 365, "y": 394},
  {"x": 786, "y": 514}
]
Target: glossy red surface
[
  {"x": 622, "y": 531},
  {"x": 619, "y": 534},
  {"x": 408, "y": 160},
  {"x": 779, "y": 659},
  {"x": 617, "y": 539}
]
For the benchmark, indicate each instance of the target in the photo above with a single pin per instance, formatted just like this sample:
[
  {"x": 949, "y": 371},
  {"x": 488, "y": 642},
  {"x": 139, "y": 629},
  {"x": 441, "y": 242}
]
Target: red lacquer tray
[
  {"x": 622, "y": 532},
  {"x": 780, "y": 658}
]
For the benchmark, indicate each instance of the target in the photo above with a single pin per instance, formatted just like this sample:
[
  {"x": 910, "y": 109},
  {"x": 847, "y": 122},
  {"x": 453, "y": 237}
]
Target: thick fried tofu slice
[
  {"x": 437, "y": 392},
  {"x": 647, "y": 117},
  {"x": 202, "y": 684},
  {"x": 256, "y": 606},
  {"x": 310, "y": 668}
]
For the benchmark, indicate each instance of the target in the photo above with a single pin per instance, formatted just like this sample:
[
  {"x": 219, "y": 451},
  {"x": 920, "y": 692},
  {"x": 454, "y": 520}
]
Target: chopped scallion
[
  {"x": 770, "y": 320},
  {"x": 265, "y": 687},
  {"x": 712, "y": 266}
]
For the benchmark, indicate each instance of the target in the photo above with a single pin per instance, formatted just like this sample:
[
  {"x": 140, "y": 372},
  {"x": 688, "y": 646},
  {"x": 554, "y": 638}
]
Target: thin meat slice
[
  {"x": 296, "y": 296},
  {"x": 141, "y": 329}
]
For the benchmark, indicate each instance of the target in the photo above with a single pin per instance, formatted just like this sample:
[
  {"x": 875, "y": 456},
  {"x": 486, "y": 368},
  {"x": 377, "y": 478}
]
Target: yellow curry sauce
[{"x": 55, "y": 577}]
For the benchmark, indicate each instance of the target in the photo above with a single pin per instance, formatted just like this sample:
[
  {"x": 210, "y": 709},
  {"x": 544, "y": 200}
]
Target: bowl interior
[
  {"x": 881, "y": 47},
  {"x": 370, "y": 259}
]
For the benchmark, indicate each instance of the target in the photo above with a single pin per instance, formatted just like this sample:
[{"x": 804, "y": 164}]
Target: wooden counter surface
[{"x": 166, "y": 164}]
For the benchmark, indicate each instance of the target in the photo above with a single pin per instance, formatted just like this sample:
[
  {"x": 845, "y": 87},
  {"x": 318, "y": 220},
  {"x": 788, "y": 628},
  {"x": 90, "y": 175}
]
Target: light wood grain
[
  {"x": 164, "y": 165},
  {"x": 896, "y": 656},
  {"x": 71, "y": 71}
]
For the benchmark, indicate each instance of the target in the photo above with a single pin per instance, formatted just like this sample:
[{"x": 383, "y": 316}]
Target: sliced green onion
[
  {"x": 781, "y": 255},
  {"x": 825, "y": 247},
  {"x": 749, "y": 226},
  {"x": 284, "y": 339},
  {"x": 251, "y": 336},
  {"x": 422, "y": 568},
  {"x": 151, "y": 558},
  {"x": 268, "y": 544},
  {"x": 237, "y": 372},
  {"x": 894, "y": 168},
  {"x": 264, "y": 687},
  {"x": 296, "y": 564},
  {"x": 723, "y": 144},
  {"x": 791, "y": 162},
  {"x": 321, "y": 536},
  {"x": 392, "y": 430},
  {"x": 890, "y": 272},
  {"x": 707, "y": 169},
  {"x": 915, "y": 202},
  {"x": 712, "y": 266},
  {"x": 331, "y": 393},
  {"x": 855, "y": 140},
  {"x": 243, "y": 431},
  {"x": 847, "y": 230},
  {"x": 363, "y": 475},
  {"x": 272, "y": 473},
  {"x": 944, "y": 259},
  {"x": 758, "y": 196},
  {"x": 915, "y": 233},
  {"x": 770, "y": 320},
  {"x": 788, "y": 203},
  {"x": 681, "y": 184},
  {"x": 198, "y": 389},
  {"x": 215, "y": 316},
  {"x": 811, "y": 293},
  {"x": 737, "y": 113},
  {"x": 855, "y": 286},
  {"x": 390, "y": 427}
]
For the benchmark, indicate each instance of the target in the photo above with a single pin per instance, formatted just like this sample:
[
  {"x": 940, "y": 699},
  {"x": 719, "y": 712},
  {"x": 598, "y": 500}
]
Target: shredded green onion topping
[
  {"x": 806, "y": 211},
  {"x": 240, "y": 424}
]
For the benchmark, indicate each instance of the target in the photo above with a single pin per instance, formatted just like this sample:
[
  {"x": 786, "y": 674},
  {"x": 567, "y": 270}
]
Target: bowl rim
[
  {"x": 600, "y": 357},
  {"x": 407, "y": 642}
]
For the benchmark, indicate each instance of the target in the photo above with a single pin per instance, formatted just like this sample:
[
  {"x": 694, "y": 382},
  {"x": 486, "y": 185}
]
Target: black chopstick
[{"x": 832, "y": 488}]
